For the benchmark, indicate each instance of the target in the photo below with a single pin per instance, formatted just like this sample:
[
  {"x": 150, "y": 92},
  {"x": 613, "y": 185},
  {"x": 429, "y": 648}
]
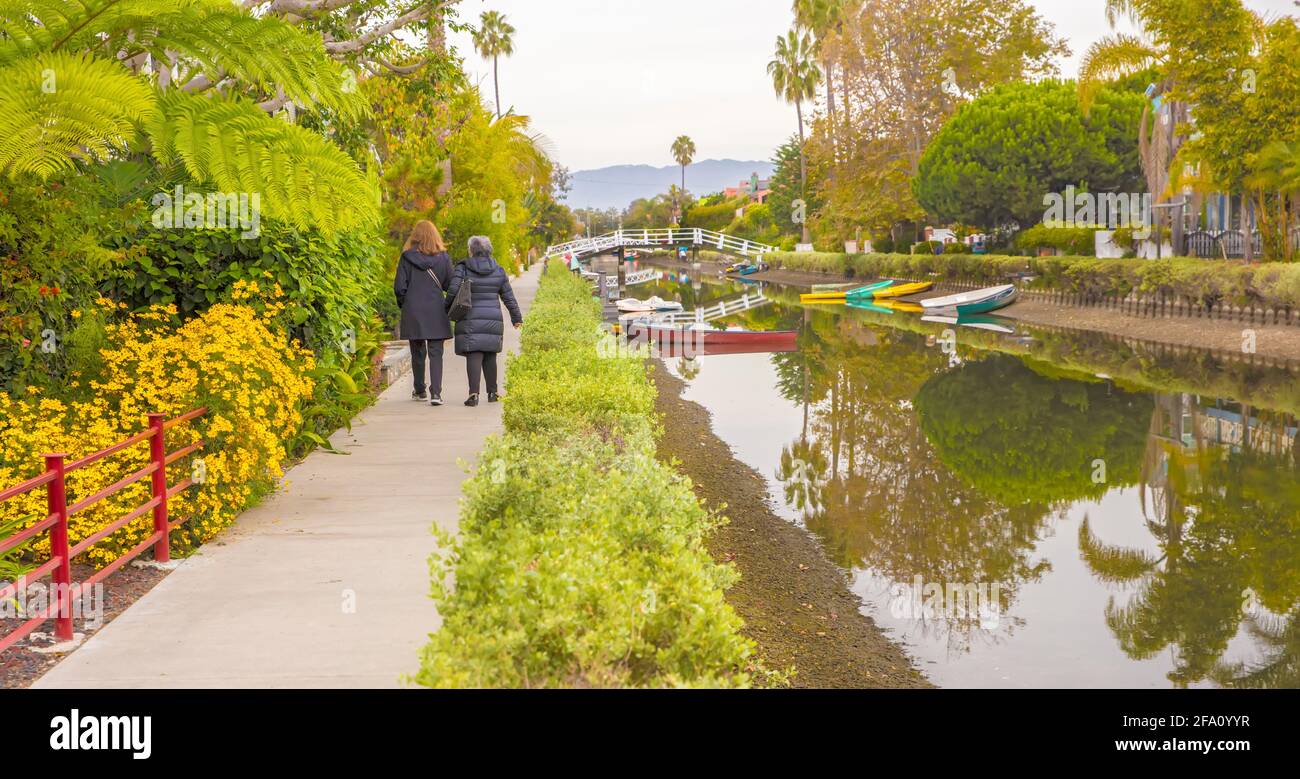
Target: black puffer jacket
[
  {"x": 424, "y": 311},
  {"x": 483, "y": 329}
]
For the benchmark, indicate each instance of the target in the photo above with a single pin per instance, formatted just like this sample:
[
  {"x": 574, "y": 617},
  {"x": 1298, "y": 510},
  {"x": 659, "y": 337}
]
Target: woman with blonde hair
[{"x": 423, "y": 274}]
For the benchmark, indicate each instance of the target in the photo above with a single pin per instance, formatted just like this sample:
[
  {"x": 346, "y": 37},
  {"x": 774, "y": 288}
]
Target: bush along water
[{"x": 580, "y": 561}]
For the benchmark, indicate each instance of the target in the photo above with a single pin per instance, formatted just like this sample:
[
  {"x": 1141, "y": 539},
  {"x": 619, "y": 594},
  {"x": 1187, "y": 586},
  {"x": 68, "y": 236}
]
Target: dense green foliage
[
  {"x": 580, "y": 560},
  {"x": 1198, "y": 282},
  {"x": 997, "y": 157}
]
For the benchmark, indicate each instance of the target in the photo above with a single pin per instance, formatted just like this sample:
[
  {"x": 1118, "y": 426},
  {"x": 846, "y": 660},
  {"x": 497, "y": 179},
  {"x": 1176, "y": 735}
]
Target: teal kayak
[{"x": 869, "y": 289}]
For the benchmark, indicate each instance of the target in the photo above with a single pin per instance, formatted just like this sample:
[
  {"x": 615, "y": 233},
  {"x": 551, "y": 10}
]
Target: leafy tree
[
  {"x": 996, "y": 158},
  {"x": 495, "y": 39},
  {"x": 905, "y": 67},
  {"x": 786, "y": 190},
  {"x": 1236, "y": 71}
]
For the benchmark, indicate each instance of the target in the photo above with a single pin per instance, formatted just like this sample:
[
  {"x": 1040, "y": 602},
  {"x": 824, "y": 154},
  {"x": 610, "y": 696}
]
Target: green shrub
[
  {"x": 581, "y": 559},
  {"x": 1075, "y": 241}
]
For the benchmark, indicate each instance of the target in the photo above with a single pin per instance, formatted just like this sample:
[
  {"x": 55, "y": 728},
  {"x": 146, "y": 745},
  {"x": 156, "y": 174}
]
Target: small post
[
  {"x": 57, "y": 503},
  {"x": 158, "y": 454}
]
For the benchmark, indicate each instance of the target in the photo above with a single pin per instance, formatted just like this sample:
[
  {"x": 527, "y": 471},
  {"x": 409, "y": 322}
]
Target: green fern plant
[{"x": 80, "y": 81}]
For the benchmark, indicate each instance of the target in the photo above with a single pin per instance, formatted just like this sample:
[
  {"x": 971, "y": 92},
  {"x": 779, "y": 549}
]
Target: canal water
[{"x": 1032, "y": 508}]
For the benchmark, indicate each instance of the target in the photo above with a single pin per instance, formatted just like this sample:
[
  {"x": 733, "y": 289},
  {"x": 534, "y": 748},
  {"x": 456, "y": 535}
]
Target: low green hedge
[
  {"x": 580, "y": 560},
  {"x": 1201, "y": 282}
]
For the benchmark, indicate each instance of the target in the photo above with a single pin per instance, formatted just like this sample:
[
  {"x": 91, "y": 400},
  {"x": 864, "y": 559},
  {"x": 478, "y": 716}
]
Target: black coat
[
  {"x": 424, "y": 309},
  {"x": 483, "y": 329}
]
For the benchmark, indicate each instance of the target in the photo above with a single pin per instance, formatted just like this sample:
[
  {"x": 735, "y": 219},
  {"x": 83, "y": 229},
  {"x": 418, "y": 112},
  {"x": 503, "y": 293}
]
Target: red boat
[{"x": 671, "y": 340}]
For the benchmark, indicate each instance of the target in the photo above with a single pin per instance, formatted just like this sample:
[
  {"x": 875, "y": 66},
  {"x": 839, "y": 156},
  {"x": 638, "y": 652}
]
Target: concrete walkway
[{"x": 326, "y": 583}]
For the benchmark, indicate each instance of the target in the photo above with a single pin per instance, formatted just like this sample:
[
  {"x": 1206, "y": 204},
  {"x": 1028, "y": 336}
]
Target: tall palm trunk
[
  {"x": 496, "y": 84},
  {"x": 803, "y": 173}
]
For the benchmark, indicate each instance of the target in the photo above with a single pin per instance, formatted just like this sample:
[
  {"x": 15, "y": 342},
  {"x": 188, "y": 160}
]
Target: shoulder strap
[{"x": 434, "y": 276}]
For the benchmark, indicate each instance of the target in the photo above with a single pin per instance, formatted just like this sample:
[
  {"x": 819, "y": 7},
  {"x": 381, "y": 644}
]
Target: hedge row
[
  {"x": 1200, "y": 282},
  {"x": 580, "y": 559}
]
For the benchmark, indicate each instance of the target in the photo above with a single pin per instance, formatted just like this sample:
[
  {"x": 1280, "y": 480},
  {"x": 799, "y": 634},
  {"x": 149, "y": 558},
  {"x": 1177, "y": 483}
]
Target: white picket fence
[
  {"x": 673, "y": 236},
  {"x": 716, "y": 311}
]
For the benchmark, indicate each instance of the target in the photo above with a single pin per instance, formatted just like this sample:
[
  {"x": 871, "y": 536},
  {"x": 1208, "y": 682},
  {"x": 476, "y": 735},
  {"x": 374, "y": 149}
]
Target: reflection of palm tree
[
  {"x": 1224, "y": 526},
  {"x": 1281, "y": 670},
  {"x": 802, "y": 472},
  {"x": 688, "y": 367}
]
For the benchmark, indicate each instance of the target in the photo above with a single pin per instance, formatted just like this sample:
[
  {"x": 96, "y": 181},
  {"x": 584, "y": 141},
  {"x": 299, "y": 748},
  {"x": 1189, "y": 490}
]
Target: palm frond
[
  {"x": 1111, "y": 58},
  {"x": 1112, "y": 564},
  {"x": 56, "y": 108},
  {"x": 212, "y": 37}
]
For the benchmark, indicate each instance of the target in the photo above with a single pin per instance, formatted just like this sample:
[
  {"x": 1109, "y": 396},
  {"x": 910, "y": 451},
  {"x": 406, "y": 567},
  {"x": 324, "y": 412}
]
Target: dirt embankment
[{"x": 795, "y": 602}]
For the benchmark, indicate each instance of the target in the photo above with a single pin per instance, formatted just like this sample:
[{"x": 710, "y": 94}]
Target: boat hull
[
  {"x": 902, "y": 290},
  {"x": 980, "y": 301},
  {"x": 833, "y": 296}
]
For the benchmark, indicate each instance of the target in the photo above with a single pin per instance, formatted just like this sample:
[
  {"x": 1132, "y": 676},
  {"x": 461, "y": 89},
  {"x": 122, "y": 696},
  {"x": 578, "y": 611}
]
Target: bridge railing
[{"x": 665, "y": 236}]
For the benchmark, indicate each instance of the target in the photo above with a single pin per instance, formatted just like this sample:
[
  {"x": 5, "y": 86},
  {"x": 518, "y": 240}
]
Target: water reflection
[{"x": 1140, "y": 535}]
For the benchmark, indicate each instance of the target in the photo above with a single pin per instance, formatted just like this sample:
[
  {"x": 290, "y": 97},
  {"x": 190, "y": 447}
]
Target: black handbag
[{"x": 464, "y": 301}]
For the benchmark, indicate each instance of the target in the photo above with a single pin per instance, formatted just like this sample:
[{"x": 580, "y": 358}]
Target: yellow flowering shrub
[{"x": 230, "y": 359}]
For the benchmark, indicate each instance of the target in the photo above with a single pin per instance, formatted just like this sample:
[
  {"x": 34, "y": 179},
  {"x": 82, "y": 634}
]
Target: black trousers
[
  {"x": 481, "y": 364},
  {"x": 432, "y": 351}
]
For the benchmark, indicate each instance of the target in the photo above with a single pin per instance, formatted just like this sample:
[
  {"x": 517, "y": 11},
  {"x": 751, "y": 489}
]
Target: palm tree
[
  {"x": 1119, "y": 55},
  {"x": 495, "y": 39},
  {"x": 1277, "y": 170},
  {"x": 821, "y": 18},
  {"x": 683, "y": 151},
  {"x": 795, "y": 77}
]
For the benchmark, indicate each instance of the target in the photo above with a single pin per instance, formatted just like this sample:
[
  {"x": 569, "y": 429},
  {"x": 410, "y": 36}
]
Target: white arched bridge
[{"x": 659, "y": 239}]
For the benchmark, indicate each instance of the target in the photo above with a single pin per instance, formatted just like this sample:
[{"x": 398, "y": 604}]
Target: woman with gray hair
[{"x": 480, "y": 335}]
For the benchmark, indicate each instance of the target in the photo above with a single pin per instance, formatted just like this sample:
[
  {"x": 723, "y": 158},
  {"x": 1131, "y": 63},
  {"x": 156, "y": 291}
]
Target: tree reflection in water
[
  {"x": 908, "y": 467},
  {"x": 1226, "y": 515}
]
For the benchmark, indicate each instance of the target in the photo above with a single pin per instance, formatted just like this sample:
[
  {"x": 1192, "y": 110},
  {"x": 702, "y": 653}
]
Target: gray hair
[{"x": 480, "y": 245}]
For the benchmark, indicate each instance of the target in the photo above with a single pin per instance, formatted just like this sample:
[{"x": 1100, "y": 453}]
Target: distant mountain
[{"x": 618, "y": 185}]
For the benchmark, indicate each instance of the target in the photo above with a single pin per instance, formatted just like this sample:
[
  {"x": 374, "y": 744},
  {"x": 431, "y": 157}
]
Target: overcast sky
[{"x": 615, "y": 81}]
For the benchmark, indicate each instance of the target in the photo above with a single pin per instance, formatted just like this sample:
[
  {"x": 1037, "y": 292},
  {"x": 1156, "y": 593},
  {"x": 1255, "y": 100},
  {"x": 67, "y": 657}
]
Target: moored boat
[
  {"x": 902, "y": 290},
  {"x": 833, "y": 296},
  {"x": 635, "y": 306},
  {"x": 979, "y": 301}
]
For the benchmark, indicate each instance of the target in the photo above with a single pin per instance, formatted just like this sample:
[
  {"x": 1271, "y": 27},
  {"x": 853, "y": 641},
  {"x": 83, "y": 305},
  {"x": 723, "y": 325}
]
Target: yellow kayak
[
  {"x": 840, "y": 295},
  {"x": 901, "y": 290}
]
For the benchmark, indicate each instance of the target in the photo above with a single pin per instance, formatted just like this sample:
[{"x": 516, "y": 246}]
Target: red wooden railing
[{"x": 59, "y": 566}]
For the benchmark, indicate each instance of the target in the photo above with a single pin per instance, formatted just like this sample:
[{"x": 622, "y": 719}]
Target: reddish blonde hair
[{"x": 426, "y": 238}]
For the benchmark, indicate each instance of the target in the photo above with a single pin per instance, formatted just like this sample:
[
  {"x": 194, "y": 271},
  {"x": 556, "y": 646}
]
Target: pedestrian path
[{"x": 326, "y": 583}]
